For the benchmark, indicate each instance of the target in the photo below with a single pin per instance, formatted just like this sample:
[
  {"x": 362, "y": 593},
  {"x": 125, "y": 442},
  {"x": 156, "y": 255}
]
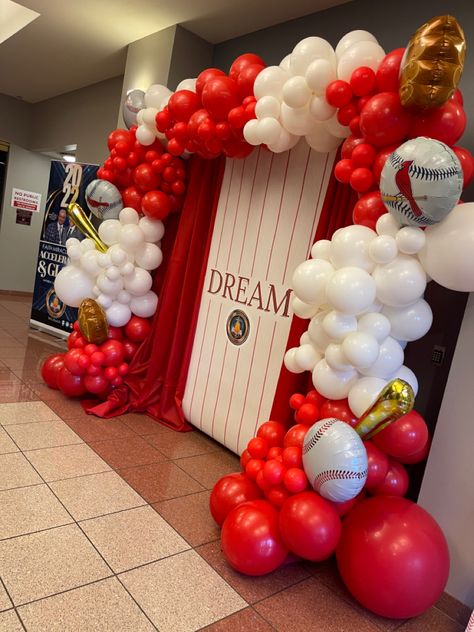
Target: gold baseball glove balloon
[
  {"x": 396, "y": 399},
  {"x": 92, "y": 321},
  {"x": 433, "y": 63}
]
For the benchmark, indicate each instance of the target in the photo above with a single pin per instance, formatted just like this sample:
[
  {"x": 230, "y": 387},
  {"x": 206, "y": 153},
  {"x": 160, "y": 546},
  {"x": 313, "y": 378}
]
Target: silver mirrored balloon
[{"x": 134, "y": 102}]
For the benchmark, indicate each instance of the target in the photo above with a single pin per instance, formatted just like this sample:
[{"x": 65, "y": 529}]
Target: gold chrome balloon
[
  {"x": 80, "y": 219},
  {"x": 92, "y": 321},
  {"x": 395, "y": 400},
  {"x": 433, "y": 63}
]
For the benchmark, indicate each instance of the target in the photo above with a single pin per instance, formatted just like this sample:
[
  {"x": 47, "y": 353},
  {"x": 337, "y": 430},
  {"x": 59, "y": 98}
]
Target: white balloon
[
  {"x": 337, "y": 325},
  {"x": 187, "y": 84},
  {"x": 104, "y": 300},
  {"x": 74, "y": 252},
  {"x": 303, "y": 310},
  {"x": 118, "y": 314},
  {"x": 112, "y": 273},
  {"x": 333, "y": 384},
  {"x": 149, "y": 256},
  {"x": 410, "y": 240},
  {"x": 364, "y": 393},
  {"x": 310, "y": 279},
  {"x": 360, "y": 349},
  {"x": 387, "y": 225},
  {"x": 87, "y": 244},
  {"x": 89, "y": 262},
  {"x": 145, "y": 135},
  {"x": 305, "y": 339},
  {"x": 153, "y": 229},
  {"x": 127, "y": 269},
  {"x": 350, "y": 247},
  {"x": 410, "y": 323},
  {"x": 352, "y": 38},
  {"x": 72, "y": 285},
  {"x": 320, "y": 109},
  {"x": 128, "y": 216},
  {"x": 290, "y": 361},
  {"x": 318, "y": 336},
  {"x": 285, "y": 62},
  {"x": 267, "y": 106},
  {"x": 131, "y": 238},
  {"x": 148, "y": 116},
  {"x": 373, "y": 307},
  {"x": 124, "y": 297},
  {"x": 251, "y": 132},
  {"x": 109, "y": 286},
  {"x": 72, "y": 241},
  {"x": 335, "y": 128},
  {"x": 296, "y": 92},
  {"x": 307, "y": 50},
  {"x": 109, "y": 231},
  {"x": 138, "y": 283},
  {"x": 156, "y": 95},
  {"x": 95, "y": 291},
  {"x": 306, "y": 357},
  {"x": 383, "y": 249},
  {"x": 140, "y": 117},
  {"x": 298, "y": 121},
  {"x": 320, "y": 139},
  {"x": 321, "y": 250},
  {"x": 336, "y": 359},
  {"x": 367, "y": 54},
  {"x": 375, "y": 324},
  {"x": 448, "y": 255},
  {"x": 402, "y": 343},
  {"x": 269, "y": 130},
  {"x": 118, "y": 255},
  {"x": 350, "y": 290},
  {"x": 104, "y": 259},
  {"x": 285, "y": 142},
  {"x": 390, "y": 359},
  {"x": 319, "y": 74},
  {"x": 270, "y": 82},
  {"x": 144, "y": 306},
  {"x": 400, "y": 282},
  {"x": 406, "y": 374}
]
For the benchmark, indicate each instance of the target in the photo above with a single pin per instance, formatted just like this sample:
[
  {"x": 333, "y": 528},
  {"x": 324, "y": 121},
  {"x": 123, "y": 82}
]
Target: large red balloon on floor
[
  {"x": 393, "y": 557},
  {"x": 229, "y": 492},
  {"x": 251, "y": 538},
  {"x": 384, "y": 121},
  {"x": 403, "y": 437},
  {"x": 310, "y": 526},
  {"x": 50, "y": 369},
  {"x": 71, "y": 385}
]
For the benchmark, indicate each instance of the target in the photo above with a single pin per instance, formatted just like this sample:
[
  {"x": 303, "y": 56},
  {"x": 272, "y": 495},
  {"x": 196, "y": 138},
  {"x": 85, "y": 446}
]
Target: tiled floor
[{"x": 104, "y": 525}]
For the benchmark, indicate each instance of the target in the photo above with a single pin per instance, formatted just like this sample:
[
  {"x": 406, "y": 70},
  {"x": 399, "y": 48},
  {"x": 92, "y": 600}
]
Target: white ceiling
[{"x": 76, "y": 43}]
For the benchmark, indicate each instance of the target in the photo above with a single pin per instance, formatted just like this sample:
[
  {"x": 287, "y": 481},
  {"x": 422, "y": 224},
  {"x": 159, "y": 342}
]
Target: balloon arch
[{"x": 334, "y": 480}]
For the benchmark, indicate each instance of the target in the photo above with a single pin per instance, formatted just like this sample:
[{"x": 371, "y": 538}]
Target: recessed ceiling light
[
  {"x": 13, "y": 18},
  {"x": 68, "y": 157}
]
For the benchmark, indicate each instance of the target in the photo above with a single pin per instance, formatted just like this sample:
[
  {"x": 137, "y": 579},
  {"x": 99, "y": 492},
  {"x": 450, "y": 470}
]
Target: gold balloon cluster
[
  {"x": 93, "y": 321},
  {"x": 433, "y": 63}
]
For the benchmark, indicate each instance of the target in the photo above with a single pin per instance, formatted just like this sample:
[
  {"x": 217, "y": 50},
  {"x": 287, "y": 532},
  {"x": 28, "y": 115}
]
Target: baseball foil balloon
[
  {"x": 334, "y": 460},
  {"x": 134, "y": 102},
  {"x": 104, "y": 199},
  {"x": 421, "y": 182},
  {"x": 433, "y": 63},
  {"x": 93, "y": 321}
]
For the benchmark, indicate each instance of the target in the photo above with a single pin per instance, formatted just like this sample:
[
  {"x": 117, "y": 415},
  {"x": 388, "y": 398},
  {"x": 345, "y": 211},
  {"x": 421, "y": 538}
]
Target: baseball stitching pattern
[
  {"x": 333, "y": 475},
  {"x": 317, "y": 436}
]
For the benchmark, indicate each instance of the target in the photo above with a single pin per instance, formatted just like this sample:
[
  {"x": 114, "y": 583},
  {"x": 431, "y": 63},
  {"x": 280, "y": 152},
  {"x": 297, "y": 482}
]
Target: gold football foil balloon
[
  {"x": 433, "y": 63},
  {"x": 83, "y": 223},
  {"x": 395, "y": 400},
  {"x": 92, "y": 321}
]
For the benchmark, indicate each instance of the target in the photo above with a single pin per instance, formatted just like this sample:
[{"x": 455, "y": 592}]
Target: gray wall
[
  {"x": 19, "y": 244},
  {"x": 15, "y": 120},
  {"x": 191, "y": 55}
]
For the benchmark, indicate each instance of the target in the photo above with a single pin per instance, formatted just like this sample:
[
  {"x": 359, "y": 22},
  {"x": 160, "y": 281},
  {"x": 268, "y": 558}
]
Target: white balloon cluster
[
  {"x": 363, "y": 291},
  {"x": 119, "y": 280},
  {"x": 291, "y": 97}
]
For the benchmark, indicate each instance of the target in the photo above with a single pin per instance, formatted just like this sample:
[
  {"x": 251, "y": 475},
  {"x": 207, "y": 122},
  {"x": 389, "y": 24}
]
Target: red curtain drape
[
  {"x": 157, "y": 377},
  {"x": 336, "y": 213}
]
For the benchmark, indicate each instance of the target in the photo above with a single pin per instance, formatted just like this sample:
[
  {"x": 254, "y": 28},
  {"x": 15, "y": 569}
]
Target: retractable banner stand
[
  {"x": 66, "y": 179},
  {"x": 266, "y": 219}
]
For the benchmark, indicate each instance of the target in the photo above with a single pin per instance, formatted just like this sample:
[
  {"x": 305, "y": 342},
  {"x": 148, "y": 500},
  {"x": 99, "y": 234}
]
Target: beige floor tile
[
  {"x": 6, "y": 443},
  {"x": 5, "y": 602},
  {"x": 15, "y": 471},
  {"x": 182, "y": 593},
  {"x": 96, "y": 495},
  {"x": 42, "y": 564},
  {"x": 101, "y": 607},
  {"x": 131, "y": 538},
  {"x": 43, "y": 434},
  {"x": 9, "y": 622},
  {"x": 30, "y": 509},
  {"x": 25, "y": 412},
  {"x": 55, "y": 464}
]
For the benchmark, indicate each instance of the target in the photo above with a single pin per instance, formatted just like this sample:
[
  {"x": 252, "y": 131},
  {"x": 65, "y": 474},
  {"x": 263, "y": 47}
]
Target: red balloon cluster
[
  {"x": 95, "y": 369},
  {"x": 151, "y": 181},
  {"x": 210, "y": 121}
]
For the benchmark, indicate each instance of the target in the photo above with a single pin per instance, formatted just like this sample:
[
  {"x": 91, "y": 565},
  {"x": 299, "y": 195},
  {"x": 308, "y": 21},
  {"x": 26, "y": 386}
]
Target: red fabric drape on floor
[
  {"x": 336, "y": 213},
  {"x": 157, "y": 377}
]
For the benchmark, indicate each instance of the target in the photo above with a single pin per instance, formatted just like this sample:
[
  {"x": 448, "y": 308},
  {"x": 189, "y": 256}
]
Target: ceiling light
[
  {"x": 13, "y": 18},
  {"x": 68, "y": 157}
]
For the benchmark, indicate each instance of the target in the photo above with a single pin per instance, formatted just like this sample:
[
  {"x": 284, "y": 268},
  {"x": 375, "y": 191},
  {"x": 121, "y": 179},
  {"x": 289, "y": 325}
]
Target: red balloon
[
  {"x": 137, "y": 329},
  {"x": 245, "y": 458},
  {"x": 71, "y": 385},
  {"x": 277, "y": 494},
  {"x": 97, "y": 359},
  {"x": 219, "y": 96},
  {"x": 183, "y": 104},
  {"x": 457, "y": 96},
  {"x": 363, "y": 155},
  {"x": 145, "y": 178},
  {"x": 395, "y": 482},
  {"x": 307, "y": 414},
  {"x": 380, "y": 161},
  {"x": 76, "y": 340},
  {"x": 338, "y": 409},
  {"x": 343, "y": 170},
  {"x": 237, "y": 117},
  {"x": 389, "y": 70},
  {"x": 176, "y": 147},
  {"x": 246, "y": 79},
  {"x": 123, "y": 369},
  {"x": 346, "y": 114},
  {"x": 132, "y": 197},
  {"x": 419, "y": 456},
  {"x": 253, "y": 467},
  {"x": 368, "y": 209},
  {"x": 315, "y": 398},
  {"x": 403, "y": 437},
  {"x": 467, "y": 163},
  {"x": 50, "y": 369},
  {"x": 258, "y": 448},
  {"x": 95, "y": 384},
  {"x": 377, "y": 465},
  {"x": 354, "y": 126},
  {"x": 393, "y": 557},
  {"x": 130, "y": 349},
  {"x": 338, "y": 93},
  {"x": 342, "y": 509},
  {"x": 310, "y": 526},
  {"x": 242, "y": 62},
  {"x": 292, "y": 457},
  {"x": 119, "y": 135},
  {"x": 229, "y": 492},
  {"x": 251, "y": 539},
  {"x": 275, "y": 453},
  {"x": 384, "y": 121},
  {"x": 273, "y": 472},
  {"x": 445, "y": 123},
  {"x": 348, "y": 146},
  {"x": 295, "y": 480},
  {"x": 156, "y": 205},
  {"x": 115, "y": 333},
  {"x": 362, "y": 81},
  {"x": 223, "y": 131},
  {"x": 297, "y": 400},
  {"x": 195, "y": 122},
  {"x": 205, "y": 76},
  {"x": 114, "y": 352},
  {"x": 110, "y": 373},
  {"x": 163, "y": 120},
  {"x": 71, "y": 361},
  {"x": 273, "y": 432},
  {"x": 295, "y": 436}
]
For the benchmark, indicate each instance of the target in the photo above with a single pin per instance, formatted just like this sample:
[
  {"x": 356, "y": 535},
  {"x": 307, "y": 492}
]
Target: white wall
[
  {"x": 18, "y": 243},
  {"x": 447, "y": 491}
]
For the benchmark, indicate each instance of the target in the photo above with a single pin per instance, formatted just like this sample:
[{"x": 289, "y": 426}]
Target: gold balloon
[
  {"x": 395, "y": 400},
  {"x": 92, "y": 321},
  {"x": 80, "y": 219},
  {"x": 433, "y": 63}
]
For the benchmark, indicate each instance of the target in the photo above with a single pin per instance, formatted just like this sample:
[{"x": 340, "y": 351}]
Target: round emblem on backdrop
[
  {"x": 54, "y": 305},
  {"x": 238, "y": 327}
]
